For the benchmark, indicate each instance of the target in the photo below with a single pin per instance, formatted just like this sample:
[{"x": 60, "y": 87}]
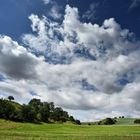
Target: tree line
[{"x": 34, "y": 111}]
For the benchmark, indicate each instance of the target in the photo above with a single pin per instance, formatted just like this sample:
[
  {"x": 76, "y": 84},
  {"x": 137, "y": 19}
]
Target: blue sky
[
  {"x": 14, "y": 13},
  {"x": 82, "y": 55}
]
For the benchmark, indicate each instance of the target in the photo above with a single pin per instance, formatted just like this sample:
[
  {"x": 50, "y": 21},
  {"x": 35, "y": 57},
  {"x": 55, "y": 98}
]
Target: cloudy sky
[{"x": 82, "y": 55}]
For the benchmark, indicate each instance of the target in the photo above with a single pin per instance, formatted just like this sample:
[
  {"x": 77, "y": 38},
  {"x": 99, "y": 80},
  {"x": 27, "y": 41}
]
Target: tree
[
  {"x": 71, "y": 118},
  {"x": 59, "y": 115},
  {"x": 45, "y": 112},
  {"x": 137, "y": 121},
  {"x": 36, "y": 104},
  {"x": 10, "y": 98},
  {"x": 34, "y": 111},
  {"x": 51, "y": 106},
  {"x": 108, "y": 121},
  {"x": 78, "y": 122},
  {"x": 7, "y": 110},
  {"x": 28, "y": 113}
]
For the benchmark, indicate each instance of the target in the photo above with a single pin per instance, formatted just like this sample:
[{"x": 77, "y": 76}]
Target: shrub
[
  {"x": 107, "y": 121},
  {"x": 137, "y": 121},
  {"x": 78, "y": 122}
]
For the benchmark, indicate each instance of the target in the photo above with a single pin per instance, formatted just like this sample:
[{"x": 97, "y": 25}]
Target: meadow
[{"x": 28, "y": 131}]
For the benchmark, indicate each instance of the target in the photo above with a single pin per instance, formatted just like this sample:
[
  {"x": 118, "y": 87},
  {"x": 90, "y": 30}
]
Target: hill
[
  {"x": 35, "y": 111},
  {"x": 125, "y": 121},
  {"x": 119, "y": 121}
]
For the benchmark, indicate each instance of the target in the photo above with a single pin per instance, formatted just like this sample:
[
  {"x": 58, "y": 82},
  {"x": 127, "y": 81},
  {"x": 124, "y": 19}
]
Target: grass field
[{"x": 27, "y": 131}]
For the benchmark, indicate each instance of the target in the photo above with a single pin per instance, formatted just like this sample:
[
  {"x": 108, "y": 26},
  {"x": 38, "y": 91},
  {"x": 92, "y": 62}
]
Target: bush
[
  {"x": 78, "y": 122},
  {"x": 107, "y": 121},
  {"x": 137, "y": 121}
]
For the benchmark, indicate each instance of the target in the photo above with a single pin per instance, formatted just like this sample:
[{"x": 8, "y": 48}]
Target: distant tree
[
  {"x": 71, "y": 118},
  {"x": 10, "y": 98},
  {"x": 78, "y": 122},
  {"x": 108, "y": 121},
  {"x": 89, "y": 123},
  {"x": 137, "y": 121}
]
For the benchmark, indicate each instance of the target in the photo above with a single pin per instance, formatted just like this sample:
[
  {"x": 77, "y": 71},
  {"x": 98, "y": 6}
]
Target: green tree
[
  {"x": 59, "y": 115},
  {"x": 45, "y": 112},
  {"x": 108, "y": 121},
  {"x": 71, "y": 118},
  {"x": 28, "y": 113},
  {"x": 137, "y": 121},
  {"x": 10, "y": 98},
  {"x": 78, "y": 122},
  {"x": 7, "y": 110}
]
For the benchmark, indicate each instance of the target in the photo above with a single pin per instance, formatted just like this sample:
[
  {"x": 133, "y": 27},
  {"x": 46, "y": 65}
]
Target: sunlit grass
[{"x": 27, "y": 131}]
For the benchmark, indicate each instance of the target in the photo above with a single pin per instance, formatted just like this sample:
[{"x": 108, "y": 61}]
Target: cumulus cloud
[
  {"x": 15, "y": 61},
  {"x": 55, "y": 12},
  {"x": 79, "y": 66}
]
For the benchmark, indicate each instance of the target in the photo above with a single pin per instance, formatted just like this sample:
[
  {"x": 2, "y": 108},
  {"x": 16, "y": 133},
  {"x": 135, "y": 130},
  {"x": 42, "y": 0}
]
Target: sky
[{"x": 81, "y": 55}]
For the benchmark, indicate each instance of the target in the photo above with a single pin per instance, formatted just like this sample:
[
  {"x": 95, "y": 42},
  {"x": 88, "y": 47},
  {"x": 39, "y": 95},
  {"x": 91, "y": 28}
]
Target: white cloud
[
  {"x": 116, "y": 60},
  {"x": 15, "y": 61},
  {"x": 46, "y": 1},
  {"x": 55, "y": 12}
]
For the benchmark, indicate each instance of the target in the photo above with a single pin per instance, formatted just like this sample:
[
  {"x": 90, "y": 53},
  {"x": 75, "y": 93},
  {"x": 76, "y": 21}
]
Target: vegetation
[
  {"x": 67, "y": 131},
  {"x": 137, "y": 121},
  {"x": 34, "y": 111},
  {"x": 43, "y": 114},
  {"x": 107, "y": 121},
  {"x": 11, "y": 98}
]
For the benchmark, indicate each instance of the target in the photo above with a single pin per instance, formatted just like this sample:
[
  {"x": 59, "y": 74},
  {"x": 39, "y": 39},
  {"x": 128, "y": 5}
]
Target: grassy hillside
[
  {"x": 27, "y": 131},
  {"x": 125, "y": 121},
  {"x": 16, "y": 105},
  {"x": 120, "y": 121}
]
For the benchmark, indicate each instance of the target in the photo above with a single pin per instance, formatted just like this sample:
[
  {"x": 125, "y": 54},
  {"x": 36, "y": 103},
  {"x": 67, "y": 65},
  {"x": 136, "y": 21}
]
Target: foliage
[
  {"x": 78, "y": 122},
  {"x": 107, "y": 121},
  {"x": 28, "y": 113},
  {"x": 34, "y": 111},
  {"x": 7, "y": 110},
  {"x": 137, "y": 121},
  {"x": 10, "y": 98}
]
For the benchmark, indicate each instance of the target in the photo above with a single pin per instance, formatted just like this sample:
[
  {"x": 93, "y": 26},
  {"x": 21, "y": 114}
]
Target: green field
[{"x": 27, "y": 131}]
